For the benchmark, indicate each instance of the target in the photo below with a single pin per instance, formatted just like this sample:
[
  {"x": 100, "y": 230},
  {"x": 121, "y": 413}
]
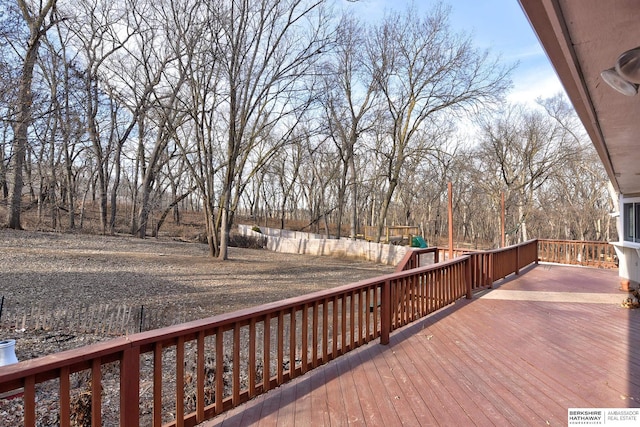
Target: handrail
[
  {"x": 413, "y": 258},
  {"x": 578, "y": 252},
  {"x": 494, "y": 264},
  {"x": 419, "y": 292},
  {"x": 443, "y": 252},
  {"x": 210, "y": 365},
  {"x": 254, "y": 349},
  {"x": 265, "y": 330},
  {"x": 405, "y": 231}
]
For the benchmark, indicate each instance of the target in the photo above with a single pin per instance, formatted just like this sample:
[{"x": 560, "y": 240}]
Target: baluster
[
  {"x": 180, "y": 382},
  {"x": 96, "y": 393},
  {"x": 65, "y": 402},
  {"x": 200, "y": 378},
  {"x": 157, "y": 384}
]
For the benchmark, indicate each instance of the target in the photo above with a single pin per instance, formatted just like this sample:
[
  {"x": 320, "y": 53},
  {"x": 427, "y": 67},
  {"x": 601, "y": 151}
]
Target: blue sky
[{"x": 499, "y": 25}]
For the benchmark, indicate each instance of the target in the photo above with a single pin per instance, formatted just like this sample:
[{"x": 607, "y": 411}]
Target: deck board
[
  {"x": 303, "y": 404},
  {"x": 453, "y": 375},
  {"x": 366, "y": 395},
  {"x": 494, "y": 397},
  {"x": 319, "y": 415},
  {"x": 393, "y": 389},
  {"x": 433, "y": 392},
  {"x": 505, "y": 368},
  {"x": 350, "y": 396},
  {"x": 483, "y": 361},
  {"x": 335, "y": 400},
  {"x": 405, "y": 393},
  {"x": 381, "y": 399},
  {"x": 287, "y": 411}
]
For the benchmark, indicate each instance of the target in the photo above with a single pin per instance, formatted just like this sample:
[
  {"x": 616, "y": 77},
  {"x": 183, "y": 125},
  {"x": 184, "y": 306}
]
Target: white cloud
[
  {"x": 532, "y": 52},
  {"x": 534, "y": 82}
]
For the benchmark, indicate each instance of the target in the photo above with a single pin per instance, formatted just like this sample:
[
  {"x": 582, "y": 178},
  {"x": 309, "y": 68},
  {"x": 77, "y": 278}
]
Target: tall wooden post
[
  {"x": 502, "y": 220},
  {"x": 385, "y": 313},
  {"x": 467, "y": 273},
  {"x": 130, "y": 387},
  {"x": 450, "y": 190}
]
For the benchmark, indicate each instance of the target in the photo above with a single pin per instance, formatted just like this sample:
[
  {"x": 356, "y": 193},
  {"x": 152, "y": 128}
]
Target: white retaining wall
[
  {"x": 314, "y": 244},
  {"x": 288, "y": 234}
]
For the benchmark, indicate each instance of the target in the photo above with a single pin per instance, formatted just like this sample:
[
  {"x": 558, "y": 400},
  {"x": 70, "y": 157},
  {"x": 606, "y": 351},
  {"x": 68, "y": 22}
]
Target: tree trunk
[
  {"x": 354, "y": 201},
  {"x": 114, "y": 189},
  {"x": 212, "y": 234},
  {"x": 71, "y": 202},
  {"x": 342, "y": 190},
  {"x": 224, "y": 225},
  {"x": 145, "y": 207},
  {"x": 101, "y": 158},
  {"x": 384, "y": 208},
  {"x": 171, "y": 207},
  {"x": 139, "y": 165},
  {"x": 23, "y": 121},
  {"x": 523, "y": 224}
]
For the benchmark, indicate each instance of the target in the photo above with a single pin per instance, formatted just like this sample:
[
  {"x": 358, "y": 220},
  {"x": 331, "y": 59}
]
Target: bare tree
[
  {"x": 9, "y": 74},
  {"x": 46, "y": 133},
  {"x": 97, "y": 37},
  {"x": 285, "y": 168},
  {"x": 579, "y": 190},
  {"x": 69, "y": 117},
  {"x": 349, "y": 94},
  {"x": 425, "y": 72},
  {"x": 38, "y": 16},
  {"x": 266, "y": 48},
  {"x": 319, "y": 184},
  {"x": 522, "y": 148},
  {"x": 198, "y": 139}
]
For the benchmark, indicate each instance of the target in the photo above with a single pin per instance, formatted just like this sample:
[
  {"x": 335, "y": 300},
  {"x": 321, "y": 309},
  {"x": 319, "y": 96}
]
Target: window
[
  {"x": 628, "y": 221},
  {"x": 631, "y": 221},
  {"x": 637, "y": 222}
]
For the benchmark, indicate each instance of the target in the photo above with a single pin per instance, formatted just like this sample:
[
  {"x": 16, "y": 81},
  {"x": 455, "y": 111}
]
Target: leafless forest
[{"x": 118, "y": 116}]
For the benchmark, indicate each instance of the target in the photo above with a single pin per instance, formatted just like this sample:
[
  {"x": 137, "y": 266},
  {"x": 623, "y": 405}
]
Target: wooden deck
[{"x": 553, "y": 338}]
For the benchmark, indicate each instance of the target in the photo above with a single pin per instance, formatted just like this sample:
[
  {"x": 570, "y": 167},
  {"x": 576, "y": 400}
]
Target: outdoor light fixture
[
  {"x": 617, "y": 82},
  {"x": 625, "y": 76},
  {"x": 628, "y": 65}
]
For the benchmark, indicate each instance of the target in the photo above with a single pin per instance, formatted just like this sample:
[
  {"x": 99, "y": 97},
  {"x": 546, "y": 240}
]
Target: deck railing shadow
[
  {"x": 316, "y": 378},
  {"x": 185, "y": 374},
  {"x": 505, "y": 280}
]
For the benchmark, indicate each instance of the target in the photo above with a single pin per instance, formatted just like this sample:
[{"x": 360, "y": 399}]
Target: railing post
[
  {"x": 468, "y": 276},
  {"x": 517, "y": 269},
  {"x": 436, "y": 256},
  {"x": 490, "y": 271},
  {"x": 130, "y": 387},
  {"x": 385, "y": 313}
]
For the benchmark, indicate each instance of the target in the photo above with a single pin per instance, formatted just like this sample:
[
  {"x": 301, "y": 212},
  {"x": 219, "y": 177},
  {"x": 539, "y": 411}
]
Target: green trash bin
[{"x": 418, "y": 242}]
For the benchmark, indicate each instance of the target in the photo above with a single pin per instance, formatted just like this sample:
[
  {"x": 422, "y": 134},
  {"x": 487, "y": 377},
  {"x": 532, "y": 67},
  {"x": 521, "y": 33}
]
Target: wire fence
[{"x": 99, "y": 319}]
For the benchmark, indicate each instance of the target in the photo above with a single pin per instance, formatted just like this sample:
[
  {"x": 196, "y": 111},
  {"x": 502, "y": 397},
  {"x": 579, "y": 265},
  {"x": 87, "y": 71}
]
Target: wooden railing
[
  {"x": 574, "y": 252},
  {"x": 426, "y": 290},
  {"x": 189, "y": 373},
  {"x": 507, "y": 260},
  {"x": 481, "y": 267},
  {"x": 481, "y": 270},
  {"x": 418, "y": 257},
  {"x": 443, "y": 252},
  {"x": 491, "y": 265},
  {"x": 391, "y": 233},
  {"x": 259, "y": 348}
]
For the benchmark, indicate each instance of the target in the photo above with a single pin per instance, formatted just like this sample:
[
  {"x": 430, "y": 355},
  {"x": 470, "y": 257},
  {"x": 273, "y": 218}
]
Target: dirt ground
[{"x": 53, "y": 270}]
